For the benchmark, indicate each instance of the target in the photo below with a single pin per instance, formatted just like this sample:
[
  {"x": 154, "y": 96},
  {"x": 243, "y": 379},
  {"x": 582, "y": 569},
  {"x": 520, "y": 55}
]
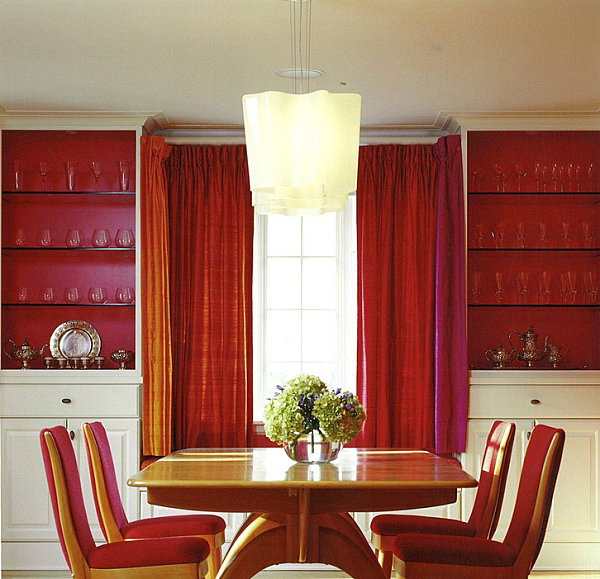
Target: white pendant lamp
[{"x": 302, "y": 148}]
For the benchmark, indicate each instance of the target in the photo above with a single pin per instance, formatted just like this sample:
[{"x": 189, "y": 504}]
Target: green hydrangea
[{"x": 305, "y": 404}]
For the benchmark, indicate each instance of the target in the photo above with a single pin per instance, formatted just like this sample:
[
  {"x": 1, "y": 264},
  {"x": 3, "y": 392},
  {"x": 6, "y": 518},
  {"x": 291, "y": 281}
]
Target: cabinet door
[
  {"x": 123, "y": 436},
  {"x": 26, "y": 508}
]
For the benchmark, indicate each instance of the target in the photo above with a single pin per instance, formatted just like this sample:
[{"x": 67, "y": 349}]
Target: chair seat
[
  {"x": 453, "y": 550},
  {"x": 148, "y": 553},
  {"x": 392, "y": 525},
  {"x": 174, "y": 526}
]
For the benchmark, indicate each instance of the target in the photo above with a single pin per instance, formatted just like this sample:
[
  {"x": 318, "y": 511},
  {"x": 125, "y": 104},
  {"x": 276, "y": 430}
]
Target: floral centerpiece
[{"x": 311, "y": 421}]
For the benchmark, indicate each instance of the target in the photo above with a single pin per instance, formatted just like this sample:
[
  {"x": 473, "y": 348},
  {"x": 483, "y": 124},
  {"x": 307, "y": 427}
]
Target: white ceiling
[{"x": 192, "y": 60}]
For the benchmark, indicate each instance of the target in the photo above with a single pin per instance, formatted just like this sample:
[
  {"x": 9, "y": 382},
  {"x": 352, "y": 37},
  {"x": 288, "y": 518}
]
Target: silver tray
[{"x": 75, "y": 339}]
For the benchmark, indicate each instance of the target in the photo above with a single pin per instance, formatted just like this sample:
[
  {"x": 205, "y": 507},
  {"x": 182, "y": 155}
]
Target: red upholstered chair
[
  {"x": 180, "y": 557},
  {"x": 486, "y": 509},
  {"x": 111, "y": 515},
  {"x": 418, "y": 556}
]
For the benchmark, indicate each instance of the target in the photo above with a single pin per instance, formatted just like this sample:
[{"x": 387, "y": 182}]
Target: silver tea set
[{"x": 529, "y": 352}]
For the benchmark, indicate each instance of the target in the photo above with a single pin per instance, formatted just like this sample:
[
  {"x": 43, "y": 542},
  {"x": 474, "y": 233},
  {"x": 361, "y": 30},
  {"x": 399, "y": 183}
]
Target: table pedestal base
[{"x": 270, "y": 539}]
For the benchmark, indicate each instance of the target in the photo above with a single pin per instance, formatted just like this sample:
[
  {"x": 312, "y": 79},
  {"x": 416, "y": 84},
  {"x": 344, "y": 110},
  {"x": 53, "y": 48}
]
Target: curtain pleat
[
  {"x": 156, "y": 325},
  {"x": 212, "y": 229}
]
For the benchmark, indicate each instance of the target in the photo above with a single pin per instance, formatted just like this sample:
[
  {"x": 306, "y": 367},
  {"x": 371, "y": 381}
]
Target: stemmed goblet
[
  {"x": 500, "y": 178},
  {"x": 588, "y": 234},
  {"x": 96, "y": 167},
  {"x": 557, "y": 176},
  {"x": 573, "y": 175},
  {"x": 499, "y": 290},
  {"x": 544, "y": 286},
  {"x": 541, "y": 176},
  {"x": 522, "y": 285},
  {"x": 521, "y": 172},
  {"x": 566, "y": 234}
]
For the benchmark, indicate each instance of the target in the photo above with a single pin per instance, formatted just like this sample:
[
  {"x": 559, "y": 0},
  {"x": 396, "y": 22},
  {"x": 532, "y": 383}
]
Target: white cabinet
[
  {"x": 29, "y": 537},
  {"x": 572, "y": 539}
]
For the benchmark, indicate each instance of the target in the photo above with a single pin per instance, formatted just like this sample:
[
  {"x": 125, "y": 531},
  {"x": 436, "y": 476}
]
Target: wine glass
[
  {"x": 124, "y": 295},
  {"x": 499, "y": 288},
  {"x": 499, "y": 234},
  {"x": 124, "y": 238},
  {"x": 588, "y": 234},
  {"x": 96, "y": 167},
  {"x": 477, "y": 279},
  {"x": 590, "y": 280},
  {"x": 47, "y": 295},
  {"x": 20, "y": 237},
  {"x": 544, "y": 286},
  {"x": 541, "y": 176},
  {"x": 23, "y": 294},
  {"x": 44, "y": 166},
  {"x": 589, "y": 171},
  {"x": 557, "y": 176},
  {"x": 572, "y": 286},
  {"x": 101, "y": 238},
  {"x": 72, "y": 295},
  {"x": 520, "y": 234},
  {"x": 522, "y": 284},
  {"x": 97, "y": 295},
  {"x": 123, "y": 174},
  {"x": 543, "y": 235},
  {"x": 476, "y": 179},
  {"x": 566, "y": 234},
  {"x": 479, "y": 235},
  {"x": 73, "y": 238},
  {"x": 500, "y": 178},
  {"x": 70, "y": 168},
  {"x": 19, "y": 166},
  {"x": 573, "y": 175},
  {"x": 521, "y": 172},
  {"x": 44, "y": 237}
]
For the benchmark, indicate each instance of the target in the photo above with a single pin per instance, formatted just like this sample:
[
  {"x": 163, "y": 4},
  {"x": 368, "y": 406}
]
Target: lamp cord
[{"x": 300, "y": 26}]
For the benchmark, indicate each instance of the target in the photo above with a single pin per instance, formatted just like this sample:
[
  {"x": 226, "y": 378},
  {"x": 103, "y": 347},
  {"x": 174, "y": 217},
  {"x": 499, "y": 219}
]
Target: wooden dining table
[{"x": 299, "y": 512}]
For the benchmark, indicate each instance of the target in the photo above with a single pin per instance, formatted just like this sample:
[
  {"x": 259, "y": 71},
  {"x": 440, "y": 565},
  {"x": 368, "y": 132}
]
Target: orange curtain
[
  {"x": 156, "y": 325},
  {"x": 212, "y": 229}
]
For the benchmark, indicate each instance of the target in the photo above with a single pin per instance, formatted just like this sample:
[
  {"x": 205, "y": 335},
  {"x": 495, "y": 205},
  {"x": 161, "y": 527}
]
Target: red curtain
[
  {"x": 156, "y": 330},
  {"x": 398, "y": 208},
  {"x": 212, "y": 228}
]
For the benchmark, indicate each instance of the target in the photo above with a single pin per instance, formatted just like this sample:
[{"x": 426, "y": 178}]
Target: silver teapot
[
  {"x": 500, "y": 357},
  {"x": 530, "y": 352},
  {"x": 25, "y": 353}
]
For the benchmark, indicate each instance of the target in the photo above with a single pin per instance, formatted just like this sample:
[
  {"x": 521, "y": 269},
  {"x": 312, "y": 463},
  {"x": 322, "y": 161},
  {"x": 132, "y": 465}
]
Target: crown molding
[
  {"x": 18, "y": 119},
  {"x": 526, "y": 120}
]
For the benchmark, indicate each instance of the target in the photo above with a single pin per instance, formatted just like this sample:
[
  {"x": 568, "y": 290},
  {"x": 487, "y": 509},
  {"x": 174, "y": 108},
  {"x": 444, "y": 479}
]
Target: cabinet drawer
[
  {"x": 69, "y": 400},
  {"x": 531, "y": 401}
]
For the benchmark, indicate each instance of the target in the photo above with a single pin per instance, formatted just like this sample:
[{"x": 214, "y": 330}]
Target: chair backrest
[
  {"x": 67, "y": 498},
  {"x": 492, "y": 479},
  {"x": 107, "y": 497},
  {"x": 534, "y": 496}
]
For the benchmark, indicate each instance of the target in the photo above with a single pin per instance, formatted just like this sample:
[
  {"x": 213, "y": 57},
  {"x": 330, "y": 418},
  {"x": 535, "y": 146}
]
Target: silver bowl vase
[{"x": 312, "y": 448}]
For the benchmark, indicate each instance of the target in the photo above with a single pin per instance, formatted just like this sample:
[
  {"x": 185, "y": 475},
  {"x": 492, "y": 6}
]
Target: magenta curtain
[
  {"x": 411, "y": 320},
  {"x": 212, "y": 228}
]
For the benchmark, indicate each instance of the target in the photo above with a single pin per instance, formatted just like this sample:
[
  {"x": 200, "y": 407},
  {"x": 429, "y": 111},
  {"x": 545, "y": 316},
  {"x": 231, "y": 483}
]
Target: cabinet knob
[
  {"x": 535, "y": 402},
  {"x": 66, "y": 401},
  {"x": 72, "y": 434}
]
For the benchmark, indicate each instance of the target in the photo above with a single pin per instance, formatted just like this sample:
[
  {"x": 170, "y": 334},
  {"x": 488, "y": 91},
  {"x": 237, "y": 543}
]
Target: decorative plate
[{"x": 75, "y": 339}]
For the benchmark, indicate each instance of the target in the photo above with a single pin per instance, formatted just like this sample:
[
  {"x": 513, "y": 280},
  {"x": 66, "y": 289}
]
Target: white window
[{"x": 304, "y": 297}]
